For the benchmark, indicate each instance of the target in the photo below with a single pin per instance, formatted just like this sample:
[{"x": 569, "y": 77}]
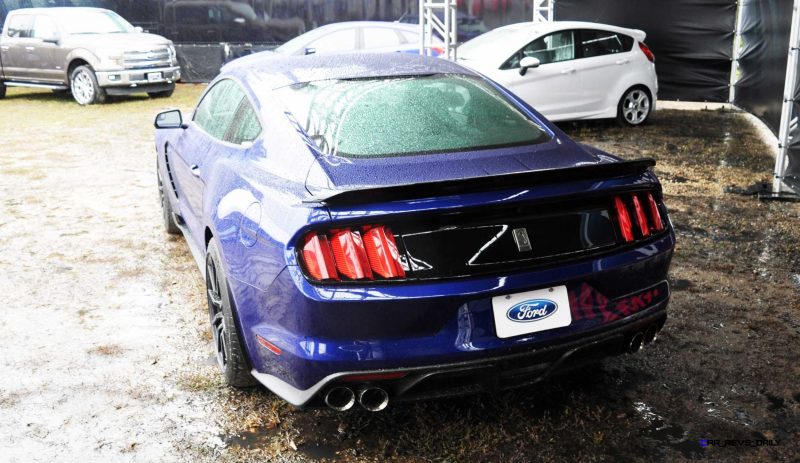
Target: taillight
[
  {"x": 624, "y": 220},
  {"x": 647, "y": 52},
  {"x": 646, "y": 224},
  {"x": 655, "y": 214},
  {"x": 357, "y": 254}
]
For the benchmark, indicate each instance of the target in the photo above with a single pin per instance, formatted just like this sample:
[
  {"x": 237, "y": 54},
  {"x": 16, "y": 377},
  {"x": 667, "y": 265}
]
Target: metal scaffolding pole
[
  {"x": 787, "y": 121},
  {"x": 430, "y": 23},
  {"x": 736, "y": 52},
  {"x": 543, "y": 10}
]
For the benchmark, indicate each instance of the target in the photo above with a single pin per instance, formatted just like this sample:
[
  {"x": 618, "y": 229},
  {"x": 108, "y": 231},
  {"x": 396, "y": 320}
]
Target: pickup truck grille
[{"x": 145, "y": 59}]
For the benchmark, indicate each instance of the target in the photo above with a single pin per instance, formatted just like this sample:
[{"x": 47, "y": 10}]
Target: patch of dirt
[{"x": 109, "y": 358}]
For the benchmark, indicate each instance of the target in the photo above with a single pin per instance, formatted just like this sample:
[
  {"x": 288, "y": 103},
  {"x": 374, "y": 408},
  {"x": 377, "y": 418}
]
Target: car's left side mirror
[
  {"x": 526, "y": 63},
  {"x": 138, "y": 29},
  {"x": 172, "y": 119},
  {"x": 310, "y": 50}
]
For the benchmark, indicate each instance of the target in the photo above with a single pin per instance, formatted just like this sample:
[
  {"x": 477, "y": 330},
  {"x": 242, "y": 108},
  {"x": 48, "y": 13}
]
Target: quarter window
[
  {"x": 552, "y": 48},
  {"x": 226, "y": 114},
  {"x": 599, "y": 43}
]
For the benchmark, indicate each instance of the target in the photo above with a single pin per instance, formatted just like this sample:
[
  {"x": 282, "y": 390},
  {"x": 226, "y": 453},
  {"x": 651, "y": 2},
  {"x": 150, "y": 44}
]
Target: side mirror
[
  {"x": 138, "y": 29},
  {"x": 528, "y": 62},
  {"x": 171, "y": 119},
  {"x": 310, "y": 50}
]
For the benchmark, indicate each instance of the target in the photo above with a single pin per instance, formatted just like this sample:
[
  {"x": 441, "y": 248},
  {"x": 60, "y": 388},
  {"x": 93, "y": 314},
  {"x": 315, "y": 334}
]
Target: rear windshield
[{"x": 408, "y": 115}]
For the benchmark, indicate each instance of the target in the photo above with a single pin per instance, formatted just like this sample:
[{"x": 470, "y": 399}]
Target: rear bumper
[
  {"x": 138, "y": 79},
  {"x": 486, "y": 375}
]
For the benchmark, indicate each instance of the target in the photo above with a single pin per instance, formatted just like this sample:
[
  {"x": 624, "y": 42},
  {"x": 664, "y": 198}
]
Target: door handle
[
  {"x": 30, "y": 48},
  {"x": 622, "y": 61},
  {"x": 195, "y": 170},
  {"x": 568, "y": 71}
]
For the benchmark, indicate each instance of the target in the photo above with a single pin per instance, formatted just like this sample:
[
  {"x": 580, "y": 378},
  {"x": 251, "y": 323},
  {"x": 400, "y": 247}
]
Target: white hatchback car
[{"x": 570, "y": 70}]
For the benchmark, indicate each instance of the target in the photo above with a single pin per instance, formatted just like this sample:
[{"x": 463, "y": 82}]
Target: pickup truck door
[
  {"x": 43, "y": 53},
  {"x": 12, "y": 47}
]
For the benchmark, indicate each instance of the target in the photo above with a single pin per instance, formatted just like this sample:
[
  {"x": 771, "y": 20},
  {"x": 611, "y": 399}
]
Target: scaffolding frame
[
  {"x": 430, "y": 24},
  {"x": 543, "y": 10}
]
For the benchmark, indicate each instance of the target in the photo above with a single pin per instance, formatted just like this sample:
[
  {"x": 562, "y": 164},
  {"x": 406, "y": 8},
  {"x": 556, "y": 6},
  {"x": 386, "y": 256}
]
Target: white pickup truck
[{"x": 90, "y": 52}]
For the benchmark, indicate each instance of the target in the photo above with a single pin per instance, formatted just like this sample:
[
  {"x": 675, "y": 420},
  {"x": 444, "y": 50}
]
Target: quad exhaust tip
[
  {"x": 373, "y": 399},
  {"x": 340, "y": 398},
  {"x": 641, "y": 339}
]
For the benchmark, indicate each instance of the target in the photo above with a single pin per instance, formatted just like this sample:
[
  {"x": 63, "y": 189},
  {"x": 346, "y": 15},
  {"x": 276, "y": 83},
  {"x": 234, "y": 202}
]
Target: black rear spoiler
[{"x": 476, "y": 184}]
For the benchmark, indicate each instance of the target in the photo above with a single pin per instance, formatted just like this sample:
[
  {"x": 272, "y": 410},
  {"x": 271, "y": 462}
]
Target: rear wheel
[
  {"x": 84, "y": 87},
  {"x": 231, "y": 357},
  {"x": 634, "y": 107},
  {"x": 163, "y": 94}
]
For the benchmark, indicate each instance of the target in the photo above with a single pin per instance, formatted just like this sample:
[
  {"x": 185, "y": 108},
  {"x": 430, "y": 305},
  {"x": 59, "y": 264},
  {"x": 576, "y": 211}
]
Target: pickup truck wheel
[
  {"x": 2, "y": 90},
  {"x": 164, "y": 94},
  {"x": 85, "y": 90}
]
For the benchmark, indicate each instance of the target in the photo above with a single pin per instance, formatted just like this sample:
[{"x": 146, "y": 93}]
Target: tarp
[{"x": 692, "y": 40}]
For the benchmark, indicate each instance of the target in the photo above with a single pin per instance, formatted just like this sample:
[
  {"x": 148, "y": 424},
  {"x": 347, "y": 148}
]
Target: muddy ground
[{"x": 106, "y": 353}]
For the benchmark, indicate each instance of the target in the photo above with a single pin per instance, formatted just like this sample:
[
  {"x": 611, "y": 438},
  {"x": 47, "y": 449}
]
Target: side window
[
  {"x": 375, "y": 37},
  {"x": 599, "y": 43},
  {"x": 44, "y": 28},
  {"x": 246, "y": 127},
  {"x": 20, "y": 26},
  {"x": 344, "y": 40},
  {"x": 216, "y": 111},
  {"x": 552, "y": 48}
]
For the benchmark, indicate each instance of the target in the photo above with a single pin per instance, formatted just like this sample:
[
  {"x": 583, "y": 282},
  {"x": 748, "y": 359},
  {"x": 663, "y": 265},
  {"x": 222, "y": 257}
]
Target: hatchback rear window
[{"x": 408, "y": 115}]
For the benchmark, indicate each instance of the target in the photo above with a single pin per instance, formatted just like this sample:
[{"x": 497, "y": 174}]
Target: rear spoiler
[{"x": 477, "y": 184}]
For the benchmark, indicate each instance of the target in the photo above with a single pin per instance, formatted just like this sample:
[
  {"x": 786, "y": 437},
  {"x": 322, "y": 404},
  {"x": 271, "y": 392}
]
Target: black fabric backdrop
[{"x": 692, "y": 40}]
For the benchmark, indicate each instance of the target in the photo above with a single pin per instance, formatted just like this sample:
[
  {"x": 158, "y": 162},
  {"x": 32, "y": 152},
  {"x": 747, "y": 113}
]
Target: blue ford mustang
[{"x": 393, "y": 227}]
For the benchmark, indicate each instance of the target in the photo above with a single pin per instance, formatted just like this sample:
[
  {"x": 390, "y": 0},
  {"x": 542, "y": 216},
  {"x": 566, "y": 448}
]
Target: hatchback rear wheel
[
  {"x": 634, "y": 107},
  {"x": 231, "y": 357}
]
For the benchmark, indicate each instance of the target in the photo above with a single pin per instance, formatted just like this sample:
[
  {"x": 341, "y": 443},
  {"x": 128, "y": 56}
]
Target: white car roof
[{"x": 516, "y": 36}]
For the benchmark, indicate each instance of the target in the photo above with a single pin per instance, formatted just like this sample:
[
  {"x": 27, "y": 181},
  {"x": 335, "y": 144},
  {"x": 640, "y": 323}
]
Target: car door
[
  {"x": 201, "y": 144},
  {"x": 12, "y": 52},
  {"x": 549, "y": 88},
  {"x": 43, "y": 53},
  {"x": 603, "y": 58}
]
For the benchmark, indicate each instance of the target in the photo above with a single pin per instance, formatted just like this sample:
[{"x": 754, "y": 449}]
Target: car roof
[
  {"x": 530, "y": 30},
  {"x": 354, "y": 24},
  {"x": 270, "y": 70},
  {"x": 55, "y": 10}
]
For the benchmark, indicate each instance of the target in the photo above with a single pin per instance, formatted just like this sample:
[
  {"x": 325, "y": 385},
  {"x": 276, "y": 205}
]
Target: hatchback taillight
[
  {"x": 362, "y": 253},
  {"x": 645, "y": 212},
  {"x": 647, "y": 52}
]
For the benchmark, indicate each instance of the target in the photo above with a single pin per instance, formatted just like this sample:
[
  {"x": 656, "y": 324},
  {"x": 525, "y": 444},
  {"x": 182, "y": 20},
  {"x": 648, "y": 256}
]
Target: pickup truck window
[
  {"x": 19, "y": 26},
  {"x": 44, "y": 28},
  {"x": 94, "y": 22}
]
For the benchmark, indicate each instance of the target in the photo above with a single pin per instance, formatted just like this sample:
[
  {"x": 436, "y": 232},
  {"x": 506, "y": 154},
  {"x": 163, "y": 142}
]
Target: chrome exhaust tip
[
  {"x": 340, "y": 398},
  {"x": 373, "y": 399},
  {"x": 636, "y": 343},
  {"x": 651, "y": 334}
]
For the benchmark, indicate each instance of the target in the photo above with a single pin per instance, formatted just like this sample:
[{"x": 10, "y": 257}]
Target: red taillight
[
  {"x": 655, "y": 214},
  {"x": 647, "y": 52},
  {"x": 318, "y": 257},
  {"x": 624, "y": 220},
  {"x": 352, "y": 254},
  {"x": 382, "y": 252},
  {"x": 641, "y": 217}
]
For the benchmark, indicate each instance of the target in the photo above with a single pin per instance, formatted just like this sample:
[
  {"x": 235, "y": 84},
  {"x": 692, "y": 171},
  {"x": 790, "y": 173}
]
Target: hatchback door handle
[
  {"x": 568, "y": 71},
  {"x": 622, "y": 61},
  {"x": 195, "y": 170}
]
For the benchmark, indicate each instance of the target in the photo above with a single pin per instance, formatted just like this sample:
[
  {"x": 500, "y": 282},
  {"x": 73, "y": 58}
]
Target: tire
[
  {"x": 634, "y": 107},
  {"x": 164, "y": 94},
  {"x": 166, "y": 211},
  {"x": 84, "y": 87},
  {"x": 2, "y": 90},
  {"x": 231, "y": 357}
]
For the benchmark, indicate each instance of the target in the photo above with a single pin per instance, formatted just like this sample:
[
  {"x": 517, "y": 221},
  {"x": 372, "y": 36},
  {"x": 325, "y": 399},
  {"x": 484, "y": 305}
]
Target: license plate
[
  {"x": 531, "y": 311},
  {"x": 154, "y": 76}
]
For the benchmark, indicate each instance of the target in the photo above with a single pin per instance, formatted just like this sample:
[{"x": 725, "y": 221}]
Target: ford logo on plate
[{"x": 532, "y": 310}]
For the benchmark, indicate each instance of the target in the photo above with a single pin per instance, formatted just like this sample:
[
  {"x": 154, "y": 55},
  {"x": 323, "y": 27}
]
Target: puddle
[{"x": 673, "y": 435}]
